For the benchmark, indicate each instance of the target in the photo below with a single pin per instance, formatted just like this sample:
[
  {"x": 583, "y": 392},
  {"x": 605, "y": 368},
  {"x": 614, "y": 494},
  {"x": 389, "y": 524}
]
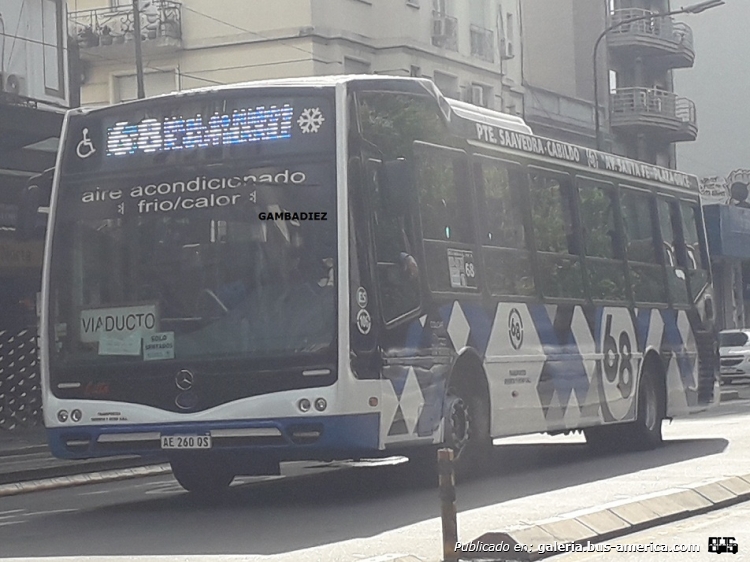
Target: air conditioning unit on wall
[{"x": 14, "y": 84}]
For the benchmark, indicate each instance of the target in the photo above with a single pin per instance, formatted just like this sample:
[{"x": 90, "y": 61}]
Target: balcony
[
  {"x": 444, "y": 31},
  {"x": 107, "y": 33},
  {"x": 663, "y": 40},
  {"x": 482, "y": 43},
  {"x": 653, "y": 112}
]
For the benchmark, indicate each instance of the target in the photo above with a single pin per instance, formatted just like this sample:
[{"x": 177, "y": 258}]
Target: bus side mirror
[
  {"x": 36, "y": 194},
  {"x": 396, "y": 181}
]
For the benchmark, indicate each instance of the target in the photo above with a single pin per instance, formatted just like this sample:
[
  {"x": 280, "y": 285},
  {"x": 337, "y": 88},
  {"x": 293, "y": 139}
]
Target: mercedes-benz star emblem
[{"x": 184, "y": 380}]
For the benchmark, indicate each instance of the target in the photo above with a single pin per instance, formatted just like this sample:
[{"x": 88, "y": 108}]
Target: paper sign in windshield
[
  {"x": 158, "y": 346},
  {"x": 120, "y": 345},
  {"x": 119, "y": 322}
]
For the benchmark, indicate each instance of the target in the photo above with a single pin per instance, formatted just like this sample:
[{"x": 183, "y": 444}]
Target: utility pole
[{"x": 141, "y": 91}]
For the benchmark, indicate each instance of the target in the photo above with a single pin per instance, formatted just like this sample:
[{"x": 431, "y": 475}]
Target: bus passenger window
[
  {"x": 557, "y": 243},
  {"x": 508, "y": 262},
  {"x": 441, "y": 184},
  {"x": 604, "y": 266},
  {"x": 695, "y": 255},
  {"x": 646, "y": 273},
  {"x": 676, "y": 275}
]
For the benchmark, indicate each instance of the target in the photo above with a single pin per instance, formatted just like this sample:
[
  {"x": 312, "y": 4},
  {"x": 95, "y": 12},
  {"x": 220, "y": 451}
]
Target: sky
[{"x": 719, "y": 84}]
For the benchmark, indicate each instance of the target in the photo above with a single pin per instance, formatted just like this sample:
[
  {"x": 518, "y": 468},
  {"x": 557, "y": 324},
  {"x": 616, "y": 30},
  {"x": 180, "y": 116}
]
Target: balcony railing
[
  {"x": 482, "y": 43},
  {"x": 656, "y": 31},
  {"x": 444, "y": 31},
  {"x": 107, "y": 26},
  {"x": 654, "y": 108}
]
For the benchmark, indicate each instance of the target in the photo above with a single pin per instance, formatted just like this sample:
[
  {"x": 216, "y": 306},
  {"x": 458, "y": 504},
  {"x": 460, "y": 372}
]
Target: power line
[
  {"x": 237, "y": 27},
  {"x": 220, "y": 69}
]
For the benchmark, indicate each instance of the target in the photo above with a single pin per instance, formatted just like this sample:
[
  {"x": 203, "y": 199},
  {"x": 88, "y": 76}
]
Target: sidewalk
[{"x": 24, "y": 456}]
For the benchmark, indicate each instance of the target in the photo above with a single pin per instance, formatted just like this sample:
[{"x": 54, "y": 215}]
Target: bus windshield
[{"x": 232, "y": 257}]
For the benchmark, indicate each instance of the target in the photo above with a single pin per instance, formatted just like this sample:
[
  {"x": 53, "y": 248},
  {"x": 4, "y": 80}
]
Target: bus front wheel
[
  {"x": 201, "y": 477},
  {"x": 467, "y": 428}
]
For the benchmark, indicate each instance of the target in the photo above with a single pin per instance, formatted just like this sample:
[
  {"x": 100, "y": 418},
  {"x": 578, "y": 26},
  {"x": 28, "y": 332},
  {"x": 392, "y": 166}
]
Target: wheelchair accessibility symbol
[{"x": 85, "y": 147}]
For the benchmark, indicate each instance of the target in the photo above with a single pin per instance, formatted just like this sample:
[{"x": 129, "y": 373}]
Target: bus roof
[{"x": 489, "y": 127}]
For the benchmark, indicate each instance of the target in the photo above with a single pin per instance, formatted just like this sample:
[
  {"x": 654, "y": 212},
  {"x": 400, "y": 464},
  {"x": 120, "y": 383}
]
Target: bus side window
[
  {"x": 674, "y": 262},
  {"x": 695, "y": 254},
  {"x": 557, "y": 242},
  {"x": 605, "y": 266},
  {"x": 502, "y": 213},
  {"x": 644, "y": 263},
  {"x": 443, "y": 201},
  {"x": 442, "y": 180},
  {"x": 397, "y": 285}
]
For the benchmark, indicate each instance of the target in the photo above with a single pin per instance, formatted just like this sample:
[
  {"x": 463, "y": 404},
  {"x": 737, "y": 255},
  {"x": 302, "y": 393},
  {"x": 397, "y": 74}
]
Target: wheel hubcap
[
  {"x": 459, "y": 420},
  {"x": 650, "y": 406}
]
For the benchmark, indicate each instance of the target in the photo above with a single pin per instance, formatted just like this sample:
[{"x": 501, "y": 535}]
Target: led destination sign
[
  {"x": 497, "y": 136},
  {"x": 244, "y": 125}
]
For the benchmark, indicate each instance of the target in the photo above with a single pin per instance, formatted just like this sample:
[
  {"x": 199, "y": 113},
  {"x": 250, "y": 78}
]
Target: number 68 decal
[{"x": 619, "y": 363}]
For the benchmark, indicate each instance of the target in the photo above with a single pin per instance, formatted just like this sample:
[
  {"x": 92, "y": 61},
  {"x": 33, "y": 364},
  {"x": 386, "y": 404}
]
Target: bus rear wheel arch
[
  {"x": 645, "y": 432},
  {"x": 466, "y": 417}
]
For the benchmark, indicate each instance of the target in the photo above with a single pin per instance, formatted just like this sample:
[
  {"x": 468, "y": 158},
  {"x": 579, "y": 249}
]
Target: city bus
[{"x": 351, "y": 267}]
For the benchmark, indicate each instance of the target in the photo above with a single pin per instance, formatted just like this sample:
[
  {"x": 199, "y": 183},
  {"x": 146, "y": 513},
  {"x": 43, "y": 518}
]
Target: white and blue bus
[{"x": 355, "y": 266}]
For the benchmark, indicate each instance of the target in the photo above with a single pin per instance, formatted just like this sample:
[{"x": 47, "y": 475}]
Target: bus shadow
[{"x": 354, "y": 503}]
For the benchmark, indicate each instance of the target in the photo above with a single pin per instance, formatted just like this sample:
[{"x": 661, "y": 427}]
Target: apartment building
[
  {"x": 34, "y": 93},
  {"x": 468, "y": 47},
  {"x": 640, "y": 115}
]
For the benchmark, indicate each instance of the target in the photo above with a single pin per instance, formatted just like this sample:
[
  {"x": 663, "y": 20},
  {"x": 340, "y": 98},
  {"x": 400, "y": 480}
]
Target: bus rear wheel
[
  {"x": 645, "y": 432},
  {"x": 201, "y": 477}
]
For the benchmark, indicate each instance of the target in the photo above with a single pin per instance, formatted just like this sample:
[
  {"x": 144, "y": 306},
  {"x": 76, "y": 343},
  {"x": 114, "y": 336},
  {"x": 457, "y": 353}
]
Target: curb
[
  {"x": 729, "y": 395},
  {"x": 73, "y": 468},
  {"x": 599, "y": 525},
  {"x": 24, "y": 450},
  {"x": 78, "y": 479}
]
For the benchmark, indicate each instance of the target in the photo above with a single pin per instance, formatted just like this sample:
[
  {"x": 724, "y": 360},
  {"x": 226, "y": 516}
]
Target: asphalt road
[{"x": 358, "y": 514}]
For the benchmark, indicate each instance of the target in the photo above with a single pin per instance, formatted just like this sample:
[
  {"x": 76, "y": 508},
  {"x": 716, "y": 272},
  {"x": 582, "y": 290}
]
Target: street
[{"x": 357, "y": 513}]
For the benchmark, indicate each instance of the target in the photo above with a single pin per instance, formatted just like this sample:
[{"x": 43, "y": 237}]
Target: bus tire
[
  {"x": 645, "y": 432},
  {"x": 201, "y": 477},
  {"x": 602, "y": 438},
  {"x": 467, "y": 427}
]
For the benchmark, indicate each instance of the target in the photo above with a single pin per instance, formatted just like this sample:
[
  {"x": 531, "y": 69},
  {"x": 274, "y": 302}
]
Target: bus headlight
[
  {"x": 62, "y": 416},
  {"x": 76, "y": 415},
  {"x": 321, "y": 404},
  {"x": 304, "y": 405}
]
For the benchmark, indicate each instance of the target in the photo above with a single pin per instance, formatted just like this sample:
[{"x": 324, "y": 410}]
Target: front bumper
[{"x": 309, "y": 438}]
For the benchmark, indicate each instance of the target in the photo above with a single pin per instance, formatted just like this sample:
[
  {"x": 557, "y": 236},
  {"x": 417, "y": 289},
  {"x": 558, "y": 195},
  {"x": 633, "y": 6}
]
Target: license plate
[{"x": 185, "y": 441}]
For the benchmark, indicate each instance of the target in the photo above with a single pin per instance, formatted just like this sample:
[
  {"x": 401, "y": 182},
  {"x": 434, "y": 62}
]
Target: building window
[
  {"x": 356, "y": 66},
  {"x": 480, "y": 95},
  {"x": 53, "y": 49},
  {"x": 441, "y": 6},
  {"x": 155, "y": 83}
]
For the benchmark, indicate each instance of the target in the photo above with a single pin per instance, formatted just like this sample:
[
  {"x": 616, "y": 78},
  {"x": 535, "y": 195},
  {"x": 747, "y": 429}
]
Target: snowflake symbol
[{"x": 310, "y": 120}]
